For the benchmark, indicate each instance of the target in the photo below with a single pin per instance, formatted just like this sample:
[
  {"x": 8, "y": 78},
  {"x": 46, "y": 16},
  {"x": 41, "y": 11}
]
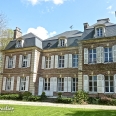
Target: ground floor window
[
  {"x": 23, "y": 84},
  {"x": 109, "y": 84},
  {"x": 74, "y": 84},
  {"x": 60, "y": 84},
  {"x": 93, "y": 83},
  {"x": 8, "y": 84},
  {"x": 47, "y": 84}
]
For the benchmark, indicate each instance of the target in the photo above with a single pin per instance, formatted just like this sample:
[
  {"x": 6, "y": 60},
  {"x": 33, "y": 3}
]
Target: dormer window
[
  {"x": 19, "y": 43},
  {"x": 62, "y": 42},
  {"x": 99, "y": 32}
]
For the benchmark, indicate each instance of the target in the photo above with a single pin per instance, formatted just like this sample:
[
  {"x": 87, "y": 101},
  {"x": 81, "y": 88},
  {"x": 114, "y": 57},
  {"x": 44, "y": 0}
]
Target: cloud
[
  {"x": 109, "y": 8},
  {"x": 111, "y": 12},
  {"x": 41, "y": 32},
  {"x": 34, "y": 2}
]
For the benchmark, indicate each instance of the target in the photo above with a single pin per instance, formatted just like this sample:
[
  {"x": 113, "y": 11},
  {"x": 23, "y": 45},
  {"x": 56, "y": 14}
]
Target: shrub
[
  {"x": 34, "y": 98},
  {"x": 43, "y": 96},
  {"x": 25, "y": 95},
  {"x": 81, "y": 97},
  {"x": 59, "y": 94},
  {"x": 105, "y": 100},
  {"x": 64, "y": 100},
  {"x": 93, "y": 100},
  {"x": 10, "y": 96}
]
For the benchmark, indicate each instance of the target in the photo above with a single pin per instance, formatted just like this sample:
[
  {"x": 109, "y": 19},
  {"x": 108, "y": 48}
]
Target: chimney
[
  {"x": 86, "y": 25},
  {"x": 17, "y": 33}
]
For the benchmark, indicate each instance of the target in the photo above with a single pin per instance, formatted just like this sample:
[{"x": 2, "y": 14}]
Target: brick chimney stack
[
  {"x": 86, "y": 25},
  {"x": 17, "y": 33}
]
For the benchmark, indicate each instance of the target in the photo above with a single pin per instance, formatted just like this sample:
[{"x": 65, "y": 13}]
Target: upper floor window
[
  {"x": 62, "y": 42},
  {"x": 48, "y": 62},
  {"x": 75, "y": 60},
  {"x": 61, "y": 61},
  {"x": 92, "y": 55},
  {"x": 47, "y": 84},
  {"x": 24, "y": 61},
  {"x": 93, "y": 83},
  {"x": 108, "y": 55},
  {"x": 99, "y": 32},
  {"x": 10, "y": 62},
  {"x": 19, "y": 43}
]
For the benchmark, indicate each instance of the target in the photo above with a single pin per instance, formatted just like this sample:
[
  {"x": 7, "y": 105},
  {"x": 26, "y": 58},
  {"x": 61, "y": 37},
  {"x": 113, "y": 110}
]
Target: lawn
[{"x": 20, "y": 110}]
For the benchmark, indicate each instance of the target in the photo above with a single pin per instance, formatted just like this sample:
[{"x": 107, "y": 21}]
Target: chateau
[{"x": 66, "y": 63}]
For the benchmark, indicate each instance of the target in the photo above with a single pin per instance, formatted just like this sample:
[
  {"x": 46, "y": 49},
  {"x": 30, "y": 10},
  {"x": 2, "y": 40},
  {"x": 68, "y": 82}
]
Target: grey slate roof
[
  {"x": 72, "y": 39},
  {"x": 110, "y": 29},
  {"x": 30, "y": 40}
]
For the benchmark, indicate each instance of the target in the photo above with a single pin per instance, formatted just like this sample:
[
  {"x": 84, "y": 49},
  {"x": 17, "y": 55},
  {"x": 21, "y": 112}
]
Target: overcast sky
[{"x": 47, "y": 18}]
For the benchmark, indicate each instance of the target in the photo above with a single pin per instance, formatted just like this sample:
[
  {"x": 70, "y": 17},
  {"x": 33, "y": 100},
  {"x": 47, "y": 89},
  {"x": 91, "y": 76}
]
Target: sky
[{"x": 46, "y": 18}]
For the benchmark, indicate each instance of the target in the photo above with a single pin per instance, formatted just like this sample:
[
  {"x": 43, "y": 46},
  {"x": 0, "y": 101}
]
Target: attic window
[
  {"x": 62, "y": 42},
  {"x": 99, "y": 32},
  {"x": 49, "y": 44},
  {"x": 19, "y": 43}
]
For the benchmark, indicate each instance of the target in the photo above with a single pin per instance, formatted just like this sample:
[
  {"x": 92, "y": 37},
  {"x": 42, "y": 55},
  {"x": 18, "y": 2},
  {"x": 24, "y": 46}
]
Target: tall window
[
  {"x": 61, "y": 61},
  {"x": 8, "y": 84},
  {"x": 109, "y": 84},
  {"x": 10, "y": 62},
  {"x": 24, "y": 61},
  {"x": 48, "y": 62},
  {"x": 47, "y": 84},
  {"x": 60, "y": 84},
  {"x": 93, "y": 83},
  {"x": 62, "y": 42},
  {"x": 23, "y": 84},
  {"x": 19, "y": 44},
  {"x": 92, "y": 55},
  {"x": 75, "y": 60},
  {"x": 108, "y": 55},
  {"x": 74, "y": 84},
  {"x": 100, "y": 32}
]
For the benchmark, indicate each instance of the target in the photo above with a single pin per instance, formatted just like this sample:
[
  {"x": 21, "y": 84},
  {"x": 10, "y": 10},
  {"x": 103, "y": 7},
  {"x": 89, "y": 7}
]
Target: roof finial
[{"x": 71, "y": 27}]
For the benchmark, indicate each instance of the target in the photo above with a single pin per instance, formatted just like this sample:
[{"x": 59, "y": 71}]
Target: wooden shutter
[
  {"x": 52, "y": 62},
  {"x": 43, "y": 62},
  {"x": 27, "y": 83},
  {"x": 22, "y": 43},
  {"x": 12, "y": 83},
  {"x": 28, "y": 60},
  {"x": 65, "y": 40},
  {"x": 55, "y": 84},
  {"x": 56, "y": 61},
  {"x": 85, "y": 55},
  {"x": 115, "y": 83},
  {"x": 40, "y": 85},
  {"x": 100, "y": 83},
  {"x": 18, "y": 84},
  {"x": 14, "y": 61},
  {"x": 6, "y": 63},
  {"x": 51, "y": 86},
  {"x": 114, "y": 53},
  {"x": 20, "y": 61},
  {"x": 69, "y": 84},
  {"x": 4, "y": 83},
  {"x": 85, "y": 83},
  {"x": 70, "y": 61},
  {"x": 100, "y": 54},
  {"x": 65, "y": 84},
  {"x": 65, "y": 60}
]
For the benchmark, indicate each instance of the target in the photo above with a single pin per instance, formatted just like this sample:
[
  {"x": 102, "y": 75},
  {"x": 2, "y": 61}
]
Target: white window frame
[
  {"x": 61, "y": 61},
  {"x": 74, "y": 84},
  {"x": 108, "y": 52},
  {"x": 93, "y": 60},
  {"x": 47, "y": 84},
  {"x": 62, "y": 42},
  {"x": 19, "y": 43},
  {"x": 93, "y": 86},
  {"x": 24, "y": 61},
  {"x": 99, "y": 31},
  {"x": 47, "y": 62},
  {"x": 109, "y": 81},
  {"x": 8, "y": 84},
  {"x": 74, "y": 60},
  {"x": 60, "y": 84},
  {"x": 10, "y": 62},
  {"x": 22, "y": 84}
]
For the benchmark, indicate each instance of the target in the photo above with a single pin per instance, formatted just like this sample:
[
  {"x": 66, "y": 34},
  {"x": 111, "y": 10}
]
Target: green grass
[{"x": 20, "y": 110}]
